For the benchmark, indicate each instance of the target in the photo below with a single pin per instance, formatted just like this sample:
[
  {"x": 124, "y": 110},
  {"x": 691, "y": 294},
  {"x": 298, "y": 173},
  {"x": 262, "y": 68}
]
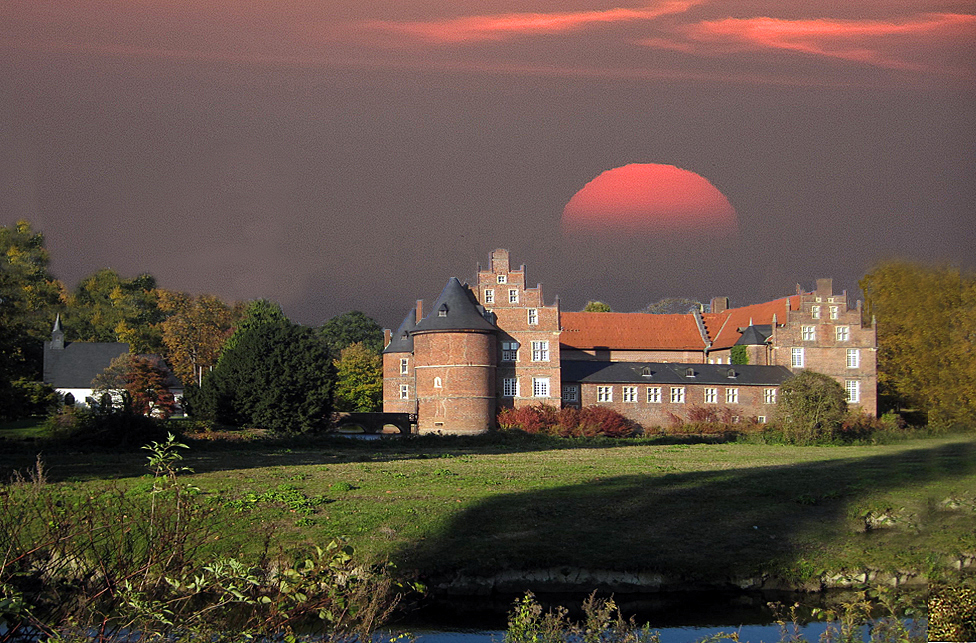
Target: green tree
[
  {"x": 256, "y": 313},
  {"x": 194, "y": 332},
  {"x": 811, "y": 407},
  {"x": 144, "y": 379},
  {"x": 926, "y": 319},
  {"x": 597, "y": 307},
  {"x": 106, "y": 307},
  {"x": 350, "y": 328},
  {"x": 276, "y": 375},
  {"x": 29, "y": 297},
  {"x": 359, "y": 379}
]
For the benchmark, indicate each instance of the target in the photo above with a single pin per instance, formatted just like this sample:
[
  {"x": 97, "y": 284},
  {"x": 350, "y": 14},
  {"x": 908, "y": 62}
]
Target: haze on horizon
[{"x": 343, "y": 155}]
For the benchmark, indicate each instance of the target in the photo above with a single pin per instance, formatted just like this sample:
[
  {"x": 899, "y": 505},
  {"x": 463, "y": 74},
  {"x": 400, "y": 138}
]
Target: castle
[{"x": 496, "y": 343}]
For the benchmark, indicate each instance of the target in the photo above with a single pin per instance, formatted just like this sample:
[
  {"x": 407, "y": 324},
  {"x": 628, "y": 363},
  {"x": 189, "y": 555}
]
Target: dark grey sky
[{"x": 340, "y": 155}]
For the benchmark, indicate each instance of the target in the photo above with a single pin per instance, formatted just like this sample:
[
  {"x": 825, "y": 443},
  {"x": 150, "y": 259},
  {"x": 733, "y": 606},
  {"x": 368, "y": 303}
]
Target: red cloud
[
  {"x": 502, "y": 26},
  {"x": 873, "y": 42}
]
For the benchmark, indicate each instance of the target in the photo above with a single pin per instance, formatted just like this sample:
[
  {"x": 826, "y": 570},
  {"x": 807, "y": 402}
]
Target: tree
[
  {"x": 811, "y": 407},
  {"x": 597, "y": 307},
  {"x": 673, "y": 306},
  {"x": 141, "y": 381},
  {"x": 106, "y": 307},
  {"x": 926, "y": 319},
  {"x": 276, "y": 375},
  {"x": 359, "y": 379},
  {"x": 194, "y": 332},
  {"x": 350, "y": 328},
  {"x": 29, "y": 295},
  {"x": 256, "y": 313}
]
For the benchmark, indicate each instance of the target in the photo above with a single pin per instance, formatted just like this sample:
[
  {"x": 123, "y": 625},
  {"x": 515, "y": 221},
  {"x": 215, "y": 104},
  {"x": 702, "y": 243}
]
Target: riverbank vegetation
[{"x": 690, "y": 512}]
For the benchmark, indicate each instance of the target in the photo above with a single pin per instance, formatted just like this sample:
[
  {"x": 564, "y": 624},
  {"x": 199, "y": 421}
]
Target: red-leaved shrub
[{"x": 589, "y": 421}]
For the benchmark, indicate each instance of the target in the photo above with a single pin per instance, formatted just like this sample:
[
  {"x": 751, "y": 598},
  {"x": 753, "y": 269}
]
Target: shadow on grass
[
  {"x": 710, "y": 526},
  {"x": 67, "y": 461}
]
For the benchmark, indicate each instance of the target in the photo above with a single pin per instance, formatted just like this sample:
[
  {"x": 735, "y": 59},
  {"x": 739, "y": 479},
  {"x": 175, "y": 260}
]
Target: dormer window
[
  {"x": 442, "y": 311},
  {"x": 646, "y": 371},
  {"x": 732, "y": 374},
  {"x": 503, "y": 279},
  {"x": 689, "y": 372}
]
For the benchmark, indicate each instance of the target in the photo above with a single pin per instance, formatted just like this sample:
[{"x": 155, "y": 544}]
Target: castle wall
[
  {"x": 399, "y": 386},
  {"x": 455, "y": 382}
]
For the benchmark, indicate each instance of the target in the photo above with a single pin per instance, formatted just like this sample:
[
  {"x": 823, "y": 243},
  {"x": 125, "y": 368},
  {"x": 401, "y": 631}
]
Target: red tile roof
[
  {"x": 723, "y": 328},
  {"x": 630, "y": 331},
  {"x": 641, "y": 331}
]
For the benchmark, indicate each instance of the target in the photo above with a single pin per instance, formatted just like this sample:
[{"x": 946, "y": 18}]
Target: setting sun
[{"x": 652, "y": 199}]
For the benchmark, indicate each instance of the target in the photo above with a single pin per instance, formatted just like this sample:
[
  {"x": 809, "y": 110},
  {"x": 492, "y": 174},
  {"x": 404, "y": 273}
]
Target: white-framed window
[
  {"x": 510, "y": 387},
  {"x": 834, "y": 312},
  {"x": 808, "y": 333},
  {"x": 404, "y": 391},
  {"x": 510, "y": 351},
  {"x": 438, "y": 383},
  {"x": 604, "y": 394},
  {"x": 513, "y": 295},
  {"x": 769, "y": 396},
  {"x": 629, "y": 394},
  {"x": 533, "y": 316},
  {"x": 843, "y": 333},
  {"x": 540, "y": 351},
  {"x": 711, "y": 396},
  {"x": 761, "y": 419},
  {"x": 502, "y": 279},
  {"x": 540, "y": 387},
  {"x": 404, "y": 365},
  {"x": 815, "y": 312},
  {"x": 796, "y": 357},
  {"x": 731, "y": 396},
  {"x": 653, "y": 394},
  {"x": 570, "y": 393},
  {"x": 853, "y": 358},
  {"x": 677, "y": 395},
  {"x": 489, "y": 296},
  {"x": 853, "y": 388},
  {"x": 735, "y": 419}
]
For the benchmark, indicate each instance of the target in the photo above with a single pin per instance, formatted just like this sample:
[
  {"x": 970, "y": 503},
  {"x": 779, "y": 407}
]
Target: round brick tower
[{"x": 454, "y": 365}]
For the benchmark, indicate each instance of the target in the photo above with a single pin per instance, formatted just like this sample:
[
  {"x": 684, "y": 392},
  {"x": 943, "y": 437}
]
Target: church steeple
[{"x": 57, "y": 335}]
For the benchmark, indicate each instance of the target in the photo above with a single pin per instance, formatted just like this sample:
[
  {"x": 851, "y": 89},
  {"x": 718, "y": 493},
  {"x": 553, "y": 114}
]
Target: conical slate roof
[
  {"x": 455, "y": 309},
  {"x": 755, "y": 335},
  {"x": 401, "y": 342}
]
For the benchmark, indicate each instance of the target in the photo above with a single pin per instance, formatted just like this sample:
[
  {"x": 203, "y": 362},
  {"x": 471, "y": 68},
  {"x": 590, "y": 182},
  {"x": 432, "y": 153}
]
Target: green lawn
[
  {"x": 699, "y": 511},
  {"x": 21, "y": 429}
]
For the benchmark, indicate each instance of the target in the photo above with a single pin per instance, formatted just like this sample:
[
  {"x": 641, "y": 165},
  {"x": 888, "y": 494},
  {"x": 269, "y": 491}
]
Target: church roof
[
  {"x": 653, "y": 373},
  {"x": 630, "y": 331},
  {"x": 400, "y": 341},
  {"x": 455, "y": 309},
  {"x": 77, "y": 364}
]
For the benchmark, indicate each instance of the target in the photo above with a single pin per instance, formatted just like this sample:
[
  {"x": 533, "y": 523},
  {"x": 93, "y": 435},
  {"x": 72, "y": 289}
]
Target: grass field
[{"x": 697, "y": 511}]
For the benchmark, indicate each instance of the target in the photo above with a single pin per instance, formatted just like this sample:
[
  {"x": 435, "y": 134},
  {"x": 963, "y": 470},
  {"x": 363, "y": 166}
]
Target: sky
[{"x": 339, "y": 155}]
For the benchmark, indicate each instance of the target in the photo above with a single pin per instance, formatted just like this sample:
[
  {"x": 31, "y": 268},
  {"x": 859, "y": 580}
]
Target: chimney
[
  {"x": 387, "y": 336},
  {"x": 720, "y": 304},
  {"x": 825, "y": 287},
  {"x": 420, "y": 309}
]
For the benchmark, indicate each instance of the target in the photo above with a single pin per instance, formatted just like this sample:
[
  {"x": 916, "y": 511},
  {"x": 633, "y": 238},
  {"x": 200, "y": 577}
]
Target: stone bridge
[{"x": 374, "y": 422}]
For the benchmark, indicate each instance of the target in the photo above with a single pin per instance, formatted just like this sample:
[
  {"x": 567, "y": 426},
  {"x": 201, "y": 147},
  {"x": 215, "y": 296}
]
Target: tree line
[{"x": 205, "y": 341}]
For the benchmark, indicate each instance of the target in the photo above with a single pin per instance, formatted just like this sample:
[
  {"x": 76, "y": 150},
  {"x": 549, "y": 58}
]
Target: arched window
[{"x": 437, "y": 382}]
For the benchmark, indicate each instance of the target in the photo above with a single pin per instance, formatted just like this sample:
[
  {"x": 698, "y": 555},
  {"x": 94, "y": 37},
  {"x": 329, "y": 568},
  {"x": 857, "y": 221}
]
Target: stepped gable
[
  {"x": 724, "y": 327},
  {"x": 401, "y": 341},
  {"x": 455, "y": 309},
  {"x": 630, "y": 331}
]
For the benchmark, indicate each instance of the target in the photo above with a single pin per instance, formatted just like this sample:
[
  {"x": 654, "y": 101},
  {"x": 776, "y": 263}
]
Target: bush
[
  {"x": 570, "y": 422},
  {"x": 811, "y": 408},
  {"x": 112, "y": 428}
]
